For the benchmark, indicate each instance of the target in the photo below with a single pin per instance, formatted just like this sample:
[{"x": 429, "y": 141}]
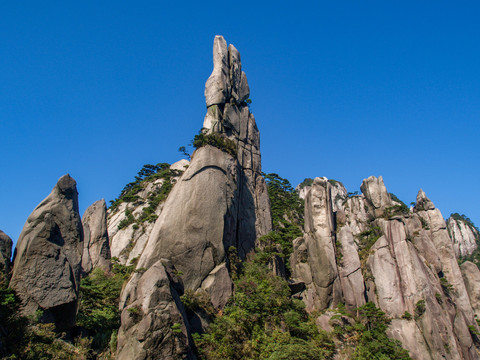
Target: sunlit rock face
[
  {"x": 48, "y": 257},
  {"x": 219, "y": 202},
  {"x": 369, "y": 248},
  {"x": 464, "y": 236},
  {"x": 96, "y": 249}
]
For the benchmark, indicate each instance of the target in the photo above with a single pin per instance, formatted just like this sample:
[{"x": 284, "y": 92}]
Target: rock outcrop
[
  {"x": 96, "y": 249},
  {"x": 48, "y": 257},
  {"x": 154, "y": 325},
  {"x": 370, "y": 248},
  {"x": 471, "y": 276},
  {"x": 465, "y": 236},
  {"x": 5, "y": 252},
  {"x": 127, "y": 242},
  {"x": 219, "y": 202}
]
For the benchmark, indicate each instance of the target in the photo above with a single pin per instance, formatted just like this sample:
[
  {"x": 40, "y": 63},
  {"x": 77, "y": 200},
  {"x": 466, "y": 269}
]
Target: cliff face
[
  {"x": 220, "y": 201},
  {"x": 372, "y": 248},
  {"x": 464, "y": 235}
]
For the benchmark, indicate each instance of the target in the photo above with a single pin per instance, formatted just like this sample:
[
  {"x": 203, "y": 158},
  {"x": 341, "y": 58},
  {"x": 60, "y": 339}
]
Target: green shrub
[
  {"x": 306, "y": 182},
  {"x": 287, "y": 218},
  {"x": 129, "y": 219},
  {"x": 407, "y": 316},
  {"x": 261, "y": 321},
  {"x": 215, "y": 139},
  {"x": 146, "y": 174},
  {"x": 446, "y": 287},
  {"x": 98, "y": 309},
  {"x": 366, "y": 239},
  {"x": 419, "y": 308}
]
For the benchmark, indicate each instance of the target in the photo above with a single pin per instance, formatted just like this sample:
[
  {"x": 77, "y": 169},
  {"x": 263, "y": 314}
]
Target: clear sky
[{"x": 342, "y": 89}]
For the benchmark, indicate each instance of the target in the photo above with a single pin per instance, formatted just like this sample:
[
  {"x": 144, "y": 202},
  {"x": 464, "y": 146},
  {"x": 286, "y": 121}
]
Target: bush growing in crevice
[{"x": 217, "y": 140}]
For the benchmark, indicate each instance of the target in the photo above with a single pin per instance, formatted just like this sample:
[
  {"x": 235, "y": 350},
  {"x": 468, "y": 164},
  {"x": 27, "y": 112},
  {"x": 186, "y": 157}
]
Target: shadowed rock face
[
  {"x": 96, "y": 249},
  {"x": 220, "y": 201},
  {"x": 48, "y": 255},
  {"x": 5, "y": 252}
]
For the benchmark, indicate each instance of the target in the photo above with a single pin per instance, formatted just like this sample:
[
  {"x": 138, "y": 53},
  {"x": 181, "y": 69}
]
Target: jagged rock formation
[
  {"x": 48, "y": 257},
  {"x": 5, "y": 252},
  {"x": 464, "y": 236},
  {"x": 96, "y": 249},
  {"x": 371, "y": 248},
  {"x": 220, "y": 201},
  {"x": 127, "y": 243}
]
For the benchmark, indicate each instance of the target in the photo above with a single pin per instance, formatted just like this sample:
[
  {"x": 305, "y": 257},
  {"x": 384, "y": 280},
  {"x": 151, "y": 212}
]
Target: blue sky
[{"x": 342, "y": 89}]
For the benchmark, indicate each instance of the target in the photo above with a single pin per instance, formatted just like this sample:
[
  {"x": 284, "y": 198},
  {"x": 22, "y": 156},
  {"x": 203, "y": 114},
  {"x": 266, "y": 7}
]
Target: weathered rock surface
[
  {"x": 5, "y": 252},
  {"x": 471, "y": 276},
  {"x": 127, "y": 243},
  {"x": 154, "y": 325},
  {"x": 220, "y": 201},
  {"x": 320, "y": 274},
  {"x": 96, "y": 248},
  {"x": 376, "y": 194},
  {"x": 464, "y": 237},
  {"x": 48, "y": 256},
  {"x": 395, "y": 259}
]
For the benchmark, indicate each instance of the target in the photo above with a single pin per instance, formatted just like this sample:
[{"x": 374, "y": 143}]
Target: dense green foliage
[
  {"x": 217, "y": 140},
  {"x": 366, "y": 338},
  {"x": 25, "y": 338},
  {"x": 261, "y": 321},
  {"x": 366, "y": 239},
  {"x": 287, "y": 217},
  {"x": 98, "y": 307}
]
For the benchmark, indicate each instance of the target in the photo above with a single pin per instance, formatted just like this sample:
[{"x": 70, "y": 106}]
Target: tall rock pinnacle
[
  {"x": 219, "y": 202},
  {"x": 48, "y": 257}
]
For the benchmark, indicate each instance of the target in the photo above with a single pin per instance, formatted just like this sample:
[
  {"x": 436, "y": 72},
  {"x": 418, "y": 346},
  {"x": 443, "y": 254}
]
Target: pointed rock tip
[
  {"x": 423, "y": 202},
  {"x": 67, "y": 184}
]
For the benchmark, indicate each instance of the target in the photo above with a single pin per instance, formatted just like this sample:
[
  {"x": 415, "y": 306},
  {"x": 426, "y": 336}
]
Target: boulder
[
  {"x": 376, "y": 194},
  {"x": 423, "y": 202},
  {"x": 48, "y": 257},
  {"x": 96, "y": 248},
  {"x": 154, "y": 325},
  {"x": 5, "y": 252}
]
